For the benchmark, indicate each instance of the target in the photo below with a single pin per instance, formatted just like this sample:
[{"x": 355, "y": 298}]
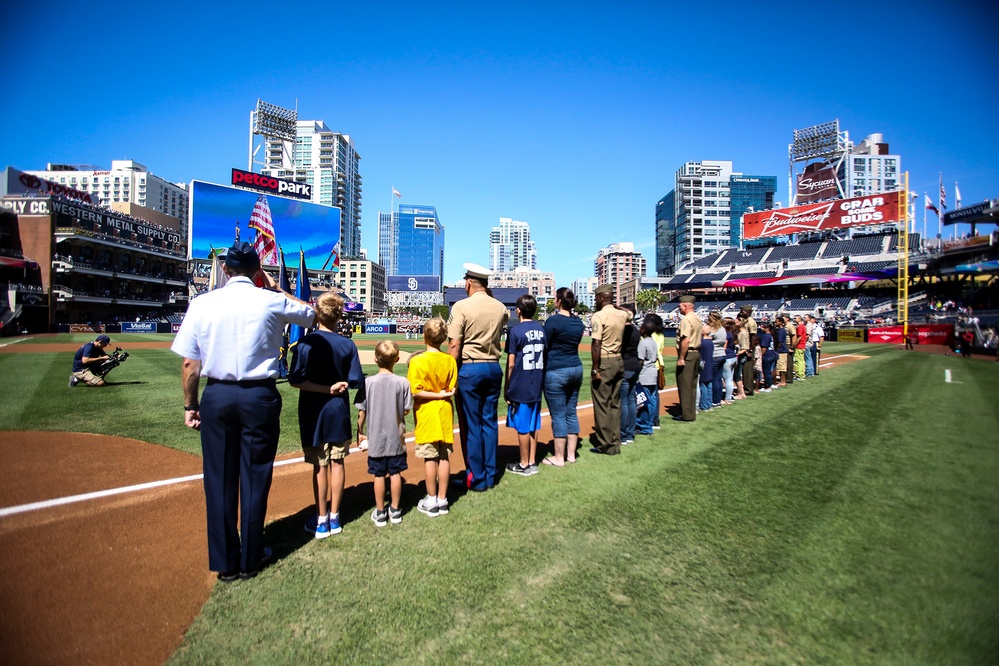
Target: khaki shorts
[
  {"x": 781, "y": 362},
  {"x": 329, "y": 451},
  {"x": 434, "y": 450}
]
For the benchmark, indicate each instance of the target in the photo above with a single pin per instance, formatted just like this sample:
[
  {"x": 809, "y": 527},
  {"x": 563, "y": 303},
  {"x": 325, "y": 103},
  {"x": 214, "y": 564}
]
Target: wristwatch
[{"x": 191, "y": 408}]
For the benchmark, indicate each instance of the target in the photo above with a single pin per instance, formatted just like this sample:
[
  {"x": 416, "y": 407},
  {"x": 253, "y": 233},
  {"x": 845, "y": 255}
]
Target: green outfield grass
[{"x": 850, "y": 519}]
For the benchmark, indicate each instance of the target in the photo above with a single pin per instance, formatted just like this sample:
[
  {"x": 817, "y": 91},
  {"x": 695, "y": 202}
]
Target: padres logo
[{"x": 412, "y": 284}]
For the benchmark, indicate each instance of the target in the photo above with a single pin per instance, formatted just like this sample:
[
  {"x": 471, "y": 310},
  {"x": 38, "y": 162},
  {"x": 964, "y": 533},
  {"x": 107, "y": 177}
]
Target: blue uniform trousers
[
  {"x": 240, "y": 425},
  {"x": 478, "y": 391}
]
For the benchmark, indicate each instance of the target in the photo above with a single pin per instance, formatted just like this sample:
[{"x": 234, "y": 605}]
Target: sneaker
[
  {"x": 335, "y": 524},
  {"x": 73, "y": 381},
  {"x": 655, "y": 427},
  {"x": 532, "y": 470},
  {"x": 765, "y": 390},
  {"x": 395, "y": 515},
  {"x": 322, "y": 530},
  {"x": 442, "y": 507},
  {"x": 379, "y": 518},
  {"x": 429, "y": 506},
  {"x": 516, "y": 468}
]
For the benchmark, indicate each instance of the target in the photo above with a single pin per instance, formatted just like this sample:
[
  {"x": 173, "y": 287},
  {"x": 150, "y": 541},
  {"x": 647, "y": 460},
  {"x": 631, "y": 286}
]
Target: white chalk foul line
[
  {"x": 72, "y": 499},
  {"x": 13, "y": 342}
]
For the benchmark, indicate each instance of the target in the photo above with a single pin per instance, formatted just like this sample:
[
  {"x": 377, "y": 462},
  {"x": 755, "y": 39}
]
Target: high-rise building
[
  {"x": 700, "y": 215},
  {"x": 411, "y": 241},
  {"x": 539, "y": 284},
  {"x": 511, "y": 247},
  {"x": 126, "y": 182},
  {"x": 328, "y": 161},
  {"x": 618, "y": 263},
  {"x": 748, "y": 194},
  {"x": 583, "y": 289}
]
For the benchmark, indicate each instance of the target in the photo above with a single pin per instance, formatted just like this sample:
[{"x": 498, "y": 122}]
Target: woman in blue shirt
[{"x": 563, "y": 376}]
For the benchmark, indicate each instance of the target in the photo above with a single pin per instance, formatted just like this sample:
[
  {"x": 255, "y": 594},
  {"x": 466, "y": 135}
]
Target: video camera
[{"x": 113, "y": 361}]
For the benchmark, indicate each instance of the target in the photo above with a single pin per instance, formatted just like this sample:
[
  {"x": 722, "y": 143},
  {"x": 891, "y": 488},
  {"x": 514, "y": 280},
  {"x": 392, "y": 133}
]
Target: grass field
[{"x": 853, "y": 519}]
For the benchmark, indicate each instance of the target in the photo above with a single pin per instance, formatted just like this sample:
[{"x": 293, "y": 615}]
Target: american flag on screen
[
  {"x": 943, "y": 195},
  {"x": 260, "y": 219}
]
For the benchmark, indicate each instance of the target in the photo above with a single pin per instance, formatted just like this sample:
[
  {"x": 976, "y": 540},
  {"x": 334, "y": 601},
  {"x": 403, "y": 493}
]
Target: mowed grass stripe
[{"x": 814, "y": 524}]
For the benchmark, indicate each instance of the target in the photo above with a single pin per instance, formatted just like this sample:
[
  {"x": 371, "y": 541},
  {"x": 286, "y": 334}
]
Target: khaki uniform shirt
[
  {"x": 691, "y": 328},
  {"x": 607, "y": 326},
  {"x": 792, "y": 333},
  {"x": 478, "y": 321},
  {"x": 750, "y": 326}
]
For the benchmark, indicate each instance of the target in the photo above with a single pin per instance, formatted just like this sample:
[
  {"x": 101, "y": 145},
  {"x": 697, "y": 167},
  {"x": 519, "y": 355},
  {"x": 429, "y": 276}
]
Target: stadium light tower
[
  {"x": 823, "y": 141},
  {"x": 272, "y": 122}
]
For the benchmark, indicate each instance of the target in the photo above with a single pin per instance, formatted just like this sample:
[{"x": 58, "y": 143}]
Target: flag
[
  {"x": 943, "y": 195},
  {"x": 929, "y": 204},
  {"x": 264, "y": 244},
  {"x": 396, "y": 193},
  {"x": 303, "y": 292},
  {"x": 336, "y": 257},
  {"x": 283, "y": 282},
  {"x": 957, "y": 196},
  {"x": 217, "y": 277}
]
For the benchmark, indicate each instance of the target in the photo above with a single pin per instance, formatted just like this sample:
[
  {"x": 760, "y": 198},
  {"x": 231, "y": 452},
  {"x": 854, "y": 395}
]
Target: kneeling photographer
[{"x": 91, "y": 363}]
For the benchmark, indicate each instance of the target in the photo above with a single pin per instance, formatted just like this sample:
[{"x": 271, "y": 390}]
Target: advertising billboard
[
  {"x": 414, "y": 283},
  {"x": 18, "y": 182},
  {"x": 138, "y": 327},
  {"x": 817, "y": 185},
  {"x": 840, "y": 214},
  {"x": 217, "y": 211}
]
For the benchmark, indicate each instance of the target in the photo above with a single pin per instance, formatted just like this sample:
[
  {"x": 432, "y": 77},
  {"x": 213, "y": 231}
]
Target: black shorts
[{"x": 387, "y": 465}]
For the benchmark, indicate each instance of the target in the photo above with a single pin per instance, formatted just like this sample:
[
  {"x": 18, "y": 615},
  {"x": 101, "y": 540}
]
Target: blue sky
[{"x": 572, "y": 117}]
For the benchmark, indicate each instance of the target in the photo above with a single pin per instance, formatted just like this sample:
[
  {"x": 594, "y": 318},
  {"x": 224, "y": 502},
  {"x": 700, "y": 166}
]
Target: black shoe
[
  {"x": 264, "y": 562},
  {"x": 228, "y": 576}
]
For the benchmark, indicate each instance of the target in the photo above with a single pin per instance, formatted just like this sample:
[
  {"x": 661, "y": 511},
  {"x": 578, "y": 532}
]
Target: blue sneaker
[
  {"x": 335, "y": 524},
  {"x": 322, "y": 530}
]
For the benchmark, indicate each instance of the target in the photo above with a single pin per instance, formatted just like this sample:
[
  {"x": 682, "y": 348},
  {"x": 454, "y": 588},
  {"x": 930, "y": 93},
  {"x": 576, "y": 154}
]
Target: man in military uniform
[
  {"x": 233, "y": 337},
  {"x": 474, "y": 330},
  {"x": 607, "y": 373},
  {"x": 749, "y": 368},
  {"x": 688, "y": 359}
]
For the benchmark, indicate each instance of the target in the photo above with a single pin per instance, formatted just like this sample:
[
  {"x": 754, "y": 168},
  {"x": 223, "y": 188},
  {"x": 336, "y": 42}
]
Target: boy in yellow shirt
[{"x": 432, "y": 378}]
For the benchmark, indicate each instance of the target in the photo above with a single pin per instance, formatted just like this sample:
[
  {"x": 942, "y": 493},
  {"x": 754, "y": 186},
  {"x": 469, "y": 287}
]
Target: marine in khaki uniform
[
  {"x": 749, "y": 369},
  {"x": 688, "y": 359},
  {"x": 607, "y": 324},
  {"x": 474, "y": 331}
]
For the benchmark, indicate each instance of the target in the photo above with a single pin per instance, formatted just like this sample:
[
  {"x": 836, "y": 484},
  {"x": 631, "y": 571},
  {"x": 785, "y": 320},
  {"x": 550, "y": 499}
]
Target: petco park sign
[
  {"x": 270, "y": 185},
  {"x": 840, "y": 214}
]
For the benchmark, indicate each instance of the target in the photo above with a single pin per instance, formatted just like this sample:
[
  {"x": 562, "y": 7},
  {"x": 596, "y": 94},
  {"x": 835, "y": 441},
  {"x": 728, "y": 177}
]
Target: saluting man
[
  {"x": 688, "y": 358},
  {"x": 475, "y": 329},
  {"x": 232, "y": 336}
]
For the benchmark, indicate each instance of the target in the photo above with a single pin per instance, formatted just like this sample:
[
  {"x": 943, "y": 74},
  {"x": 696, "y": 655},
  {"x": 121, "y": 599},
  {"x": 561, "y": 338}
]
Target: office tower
[
  {"x": 748, "y": 194},
  {"x": 411, "y": 242},
  {"x": 511, "y": 247}
]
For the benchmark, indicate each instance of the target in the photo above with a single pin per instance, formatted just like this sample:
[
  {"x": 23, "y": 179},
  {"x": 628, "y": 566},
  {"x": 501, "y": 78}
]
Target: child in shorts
[
  {"x": 432, "y": 378},
  {"x": 387, "y": 400},
  {"x": 323, "y": 365},
  {"x": 525, "y": 378}
]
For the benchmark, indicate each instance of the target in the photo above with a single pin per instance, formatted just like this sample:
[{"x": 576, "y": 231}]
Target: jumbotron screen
[{"x": 216, "y": 210}]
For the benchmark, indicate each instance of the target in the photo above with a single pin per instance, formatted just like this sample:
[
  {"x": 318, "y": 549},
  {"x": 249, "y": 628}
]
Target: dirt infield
[{"x": 120, "y": 578}]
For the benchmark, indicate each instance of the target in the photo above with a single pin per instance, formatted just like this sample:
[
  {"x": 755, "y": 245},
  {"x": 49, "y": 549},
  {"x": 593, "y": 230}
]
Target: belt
[
  {"x": 491, "y": 360},
  {"x": 243, "y": 383},
  {"x": 602, "y": 355}
]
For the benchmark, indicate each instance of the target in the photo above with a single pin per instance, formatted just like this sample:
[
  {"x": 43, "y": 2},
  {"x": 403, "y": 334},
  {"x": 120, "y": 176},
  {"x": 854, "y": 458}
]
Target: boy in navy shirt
[{"x": 525, "y": 377}]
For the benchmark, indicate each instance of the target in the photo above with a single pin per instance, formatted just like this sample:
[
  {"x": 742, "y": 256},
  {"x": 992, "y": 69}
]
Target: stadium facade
[
  {"x": 411, "y": 249},
  {"x": 70, "y": 263}
]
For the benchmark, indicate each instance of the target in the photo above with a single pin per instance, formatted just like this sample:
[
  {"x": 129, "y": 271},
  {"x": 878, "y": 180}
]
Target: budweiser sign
[
  {"x": 840, "y": 214},
  {"x": 818, "y": 185}
]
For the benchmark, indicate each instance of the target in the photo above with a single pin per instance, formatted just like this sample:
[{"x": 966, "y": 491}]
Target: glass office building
[
  {"x": 411, "y": 242},
  {"x": 745, "y": 193},
  {"x": 665, "y": 234}
]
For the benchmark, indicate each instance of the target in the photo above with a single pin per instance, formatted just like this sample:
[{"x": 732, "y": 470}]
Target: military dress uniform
[
  {"x": 477, "y": 324},
  {"x": 608, "y": 327},
  {"x": 236, "y": 334},
  {"x": 687, "y": 375}
]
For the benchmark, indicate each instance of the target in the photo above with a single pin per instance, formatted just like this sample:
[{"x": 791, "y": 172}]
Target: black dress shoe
[
  {"x": 228, "y": 576},
  {"x": 264, "y": 562}
]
